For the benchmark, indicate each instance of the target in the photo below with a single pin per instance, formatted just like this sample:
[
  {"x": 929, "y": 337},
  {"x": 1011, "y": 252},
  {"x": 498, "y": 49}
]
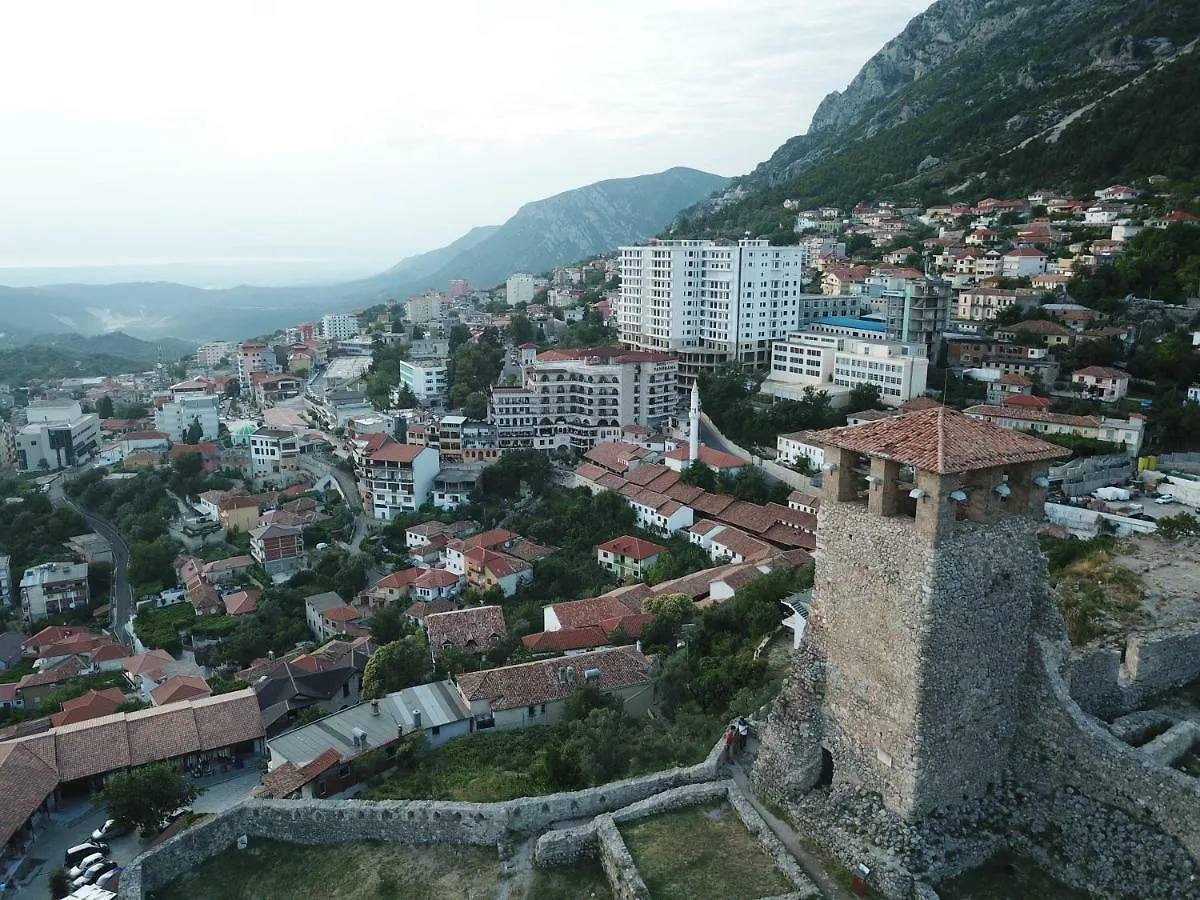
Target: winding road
[{"x": 122, "y": 595}]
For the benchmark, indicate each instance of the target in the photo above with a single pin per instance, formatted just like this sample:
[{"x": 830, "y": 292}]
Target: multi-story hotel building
[
  {"x": 580, "y": 398},
  {"x": 710, "y": 303}
]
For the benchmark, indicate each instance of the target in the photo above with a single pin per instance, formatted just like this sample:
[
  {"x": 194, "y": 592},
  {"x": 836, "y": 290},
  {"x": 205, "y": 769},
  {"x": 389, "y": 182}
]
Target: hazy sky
[{"x": 366, "y": 131}]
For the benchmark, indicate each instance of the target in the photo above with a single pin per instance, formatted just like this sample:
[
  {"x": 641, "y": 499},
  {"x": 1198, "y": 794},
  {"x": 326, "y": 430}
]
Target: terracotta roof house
[
  {"x": 148, "y": 662},
  {"x": 420, "y": 610},
  {"x": 533, "y": 693},
  {"x": 628, "y": 556},
  {"x": 91, "y": 705},
  {"x": 717, "y": 460},
  {"x": 242, "y": 603},
  {"x": 470, "y": 630},
  {"x": 180, "y": 687},
  {"x": 28, "y": 782},
  {"x": 617, "y": 458}
]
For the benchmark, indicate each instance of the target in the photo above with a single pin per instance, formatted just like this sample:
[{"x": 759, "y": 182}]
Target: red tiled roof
[
  {"x": 242, "y": 603},
  {"x": 533, "y": 683},
  {"x": 594, "y": 610},
  {"x": 27, "y": 781},
  {"x": 400, "y": 453},
  {"x": 1027, "y": 400},
  {"x": 286, "y": 779},
  {"x": 716, "y": 459},
  {"x": 149, "y": 662},
  {"x": 631, "y": 547},
  {"x": 91, "y": 705},
  {"x": 466, "y": 629},
  {"x": 566, "y": 639},
  {"x": 343, "y": 613},
  {"x": 1038, "y": 326},
  {"x": 1014, "y": 380},
  {"x": 420, "y": 609},
  {"x": 1032, "y": 415},
  {"x": 180, "y": 687},
  {"x": 737, "y": 542},
  {"x": 437, "y": 578},
  {"x": 68, "y": 668},
  {"x": 942, "y": 441}
]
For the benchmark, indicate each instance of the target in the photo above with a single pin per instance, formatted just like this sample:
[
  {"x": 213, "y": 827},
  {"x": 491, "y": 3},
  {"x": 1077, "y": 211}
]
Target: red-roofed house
[
  {"x": 534, "y": 693},
  {"x": 717, "y": 460},
  {"x": 491, "y": 568},
  {"x": 568, "y": 641},
  {"x": 627, "y": 556},
  {"x": 242, "y": 603},
  {"x": 91, "y": 705},
  {"x": 180, "y": 687},
  {"x": 469, "y": 630}
]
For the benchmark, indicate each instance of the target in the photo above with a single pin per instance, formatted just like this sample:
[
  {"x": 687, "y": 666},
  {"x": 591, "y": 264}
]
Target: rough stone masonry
[{"x": 925, "y": 724}]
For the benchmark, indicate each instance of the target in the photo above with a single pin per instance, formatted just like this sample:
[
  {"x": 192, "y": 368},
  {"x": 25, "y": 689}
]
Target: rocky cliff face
[{"x": 926, "y": 42}]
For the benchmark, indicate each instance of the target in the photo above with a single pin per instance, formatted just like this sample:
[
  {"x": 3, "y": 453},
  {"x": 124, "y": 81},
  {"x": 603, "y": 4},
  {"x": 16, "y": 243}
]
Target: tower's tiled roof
[{"x": 943, "y": 441}]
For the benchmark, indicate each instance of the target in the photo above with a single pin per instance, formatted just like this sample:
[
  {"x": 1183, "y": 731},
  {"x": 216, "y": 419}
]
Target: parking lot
[{"x": 77, "y": 818}]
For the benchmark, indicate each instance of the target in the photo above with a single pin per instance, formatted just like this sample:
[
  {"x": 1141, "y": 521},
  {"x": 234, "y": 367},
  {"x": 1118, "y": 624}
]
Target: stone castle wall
[
  {"x": 1108, "y": 686},
  {"x": 414, "y": 822},
  {"x": 903, "y": 632}
]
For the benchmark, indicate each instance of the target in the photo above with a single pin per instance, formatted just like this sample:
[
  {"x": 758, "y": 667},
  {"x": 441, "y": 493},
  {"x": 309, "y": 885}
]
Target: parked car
[
  {"x": 1142, "y": 517},
  {"x": 108, "y": 830},
  {"x": 1164, "y": 499},
  {"x": 82, "y": 851},
  {"x": 84, "y": 864},
  {"x": 93, "y": 873}
]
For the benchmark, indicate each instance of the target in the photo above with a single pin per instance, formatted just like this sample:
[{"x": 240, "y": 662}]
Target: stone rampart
[
  {"x": 1108, "y": 686},
  {"x": 1077, "y": 756},
  {"x": 413, "y": 822}
]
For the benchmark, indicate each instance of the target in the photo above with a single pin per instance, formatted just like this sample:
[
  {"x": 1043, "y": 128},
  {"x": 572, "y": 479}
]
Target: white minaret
[{"x": 694, "y": 424}]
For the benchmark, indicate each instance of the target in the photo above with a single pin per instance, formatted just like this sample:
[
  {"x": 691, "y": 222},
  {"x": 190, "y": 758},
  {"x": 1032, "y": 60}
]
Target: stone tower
[
  {"x": 694, "y": 423},
  {"x": 908, "y": 679}
]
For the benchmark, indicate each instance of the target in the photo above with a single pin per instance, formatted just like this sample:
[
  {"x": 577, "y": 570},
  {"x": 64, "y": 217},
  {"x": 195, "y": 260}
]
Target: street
[{"x": 122, "y": 595}]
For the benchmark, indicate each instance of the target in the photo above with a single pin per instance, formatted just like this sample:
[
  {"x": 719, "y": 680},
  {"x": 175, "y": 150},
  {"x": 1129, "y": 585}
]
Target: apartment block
[
  {"x": 273, "y": 452},
  {"x": 339, "y": 326},
  {"x": 254, "y": 357},
  {"x": 521, "y": 287},
  {"x": 209, "y": 355},
  {"x": 579, "y": 398},
  {"x": 53, "y": 588},
  {"x": 709, "y": 302},
  {"x": 58, "y": 434},
  {"x": 836, "y": 365},
  {"x": 426, "y": 378},
  {"x": 397, "y": 478},
  {"x": 421, "y": 309},
  {"x": 190, "y": 403}
]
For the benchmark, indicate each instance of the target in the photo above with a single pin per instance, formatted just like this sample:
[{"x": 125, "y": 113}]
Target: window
[
  {"x": 532, "y": 711},
  {"x": 344, "y": 772},
  {"x": 435, "y": 730}
]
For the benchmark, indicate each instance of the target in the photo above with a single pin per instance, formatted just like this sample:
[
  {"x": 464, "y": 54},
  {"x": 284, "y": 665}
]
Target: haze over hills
[
  {"x": 991, "y": 97},
  {"x": 542, "y": 234}
]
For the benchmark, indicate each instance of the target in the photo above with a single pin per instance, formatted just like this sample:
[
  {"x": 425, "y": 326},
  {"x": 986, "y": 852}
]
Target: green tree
[
  {"x": 388, "y": 624},
  {"x": 194, "y": 433},
  {"x": 152, "y": 563},
  {"x": 395, "y": 666},
  {"x": 475, "y": 406},
  {"x": 459, "y": 335},
  {"x": 60, "y": 884},
  {"x": 862, "y": 396},
  {"x": 519, "y": 329},
  {"x": 143, "y": 798},
  {"x": 104, "y": 407},
  {"x": 187, "y": 466},
  {"x": 699, "y": 475},
  {"x": 671, "y": 606}
]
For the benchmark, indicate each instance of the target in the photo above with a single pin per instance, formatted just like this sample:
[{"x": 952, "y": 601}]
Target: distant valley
[{"x": 542, "y": 234}]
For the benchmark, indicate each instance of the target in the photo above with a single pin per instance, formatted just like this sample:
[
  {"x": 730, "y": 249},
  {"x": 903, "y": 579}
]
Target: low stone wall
[
  {"x": 1155, "y": 662},
  {"x": 618, "y": 864},
  {"x": 413, "y": 822},
  {"x": 772, "y": 846}
]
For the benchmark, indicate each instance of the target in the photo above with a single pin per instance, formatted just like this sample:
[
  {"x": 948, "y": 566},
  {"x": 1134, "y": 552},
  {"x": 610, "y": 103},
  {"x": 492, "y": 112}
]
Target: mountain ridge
[
  {"x": 557, "y": 230},
  {"x": 945, "y": 102}
]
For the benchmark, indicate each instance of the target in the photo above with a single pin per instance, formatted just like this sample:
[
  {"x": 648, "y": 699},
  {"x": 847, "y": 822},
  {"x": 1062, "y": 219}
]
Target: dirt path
[{"x": 814, "y": 866}]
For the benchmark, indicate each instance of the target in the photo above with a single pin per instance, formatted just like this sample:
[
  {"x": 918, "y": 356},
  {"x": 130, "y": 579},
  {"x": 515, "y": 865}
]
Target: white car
[
  {"x": 1164, "y": 499},
  {"x": 84, "y": 864},
  {"x": 104, "y": 831},
  {"x": 93, "y": 873}
]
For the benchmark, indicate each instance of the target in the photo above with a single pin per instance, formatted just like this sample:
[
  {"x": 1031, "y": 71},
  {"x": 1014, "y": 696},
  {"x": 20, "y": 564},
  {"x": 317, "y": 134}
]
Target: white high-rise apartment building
[
  {"x": 711, "y": 302},
  {"x": 579, "y": 398},
  {"x": 190, "y": 403},
  {"x": 339, "y": 326},
  {"x": 209, "y": 355},
  {"x": 522, "y": 286},
  {"x": 424, "y": 308},
  {"x": 426, "y": 378}
]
